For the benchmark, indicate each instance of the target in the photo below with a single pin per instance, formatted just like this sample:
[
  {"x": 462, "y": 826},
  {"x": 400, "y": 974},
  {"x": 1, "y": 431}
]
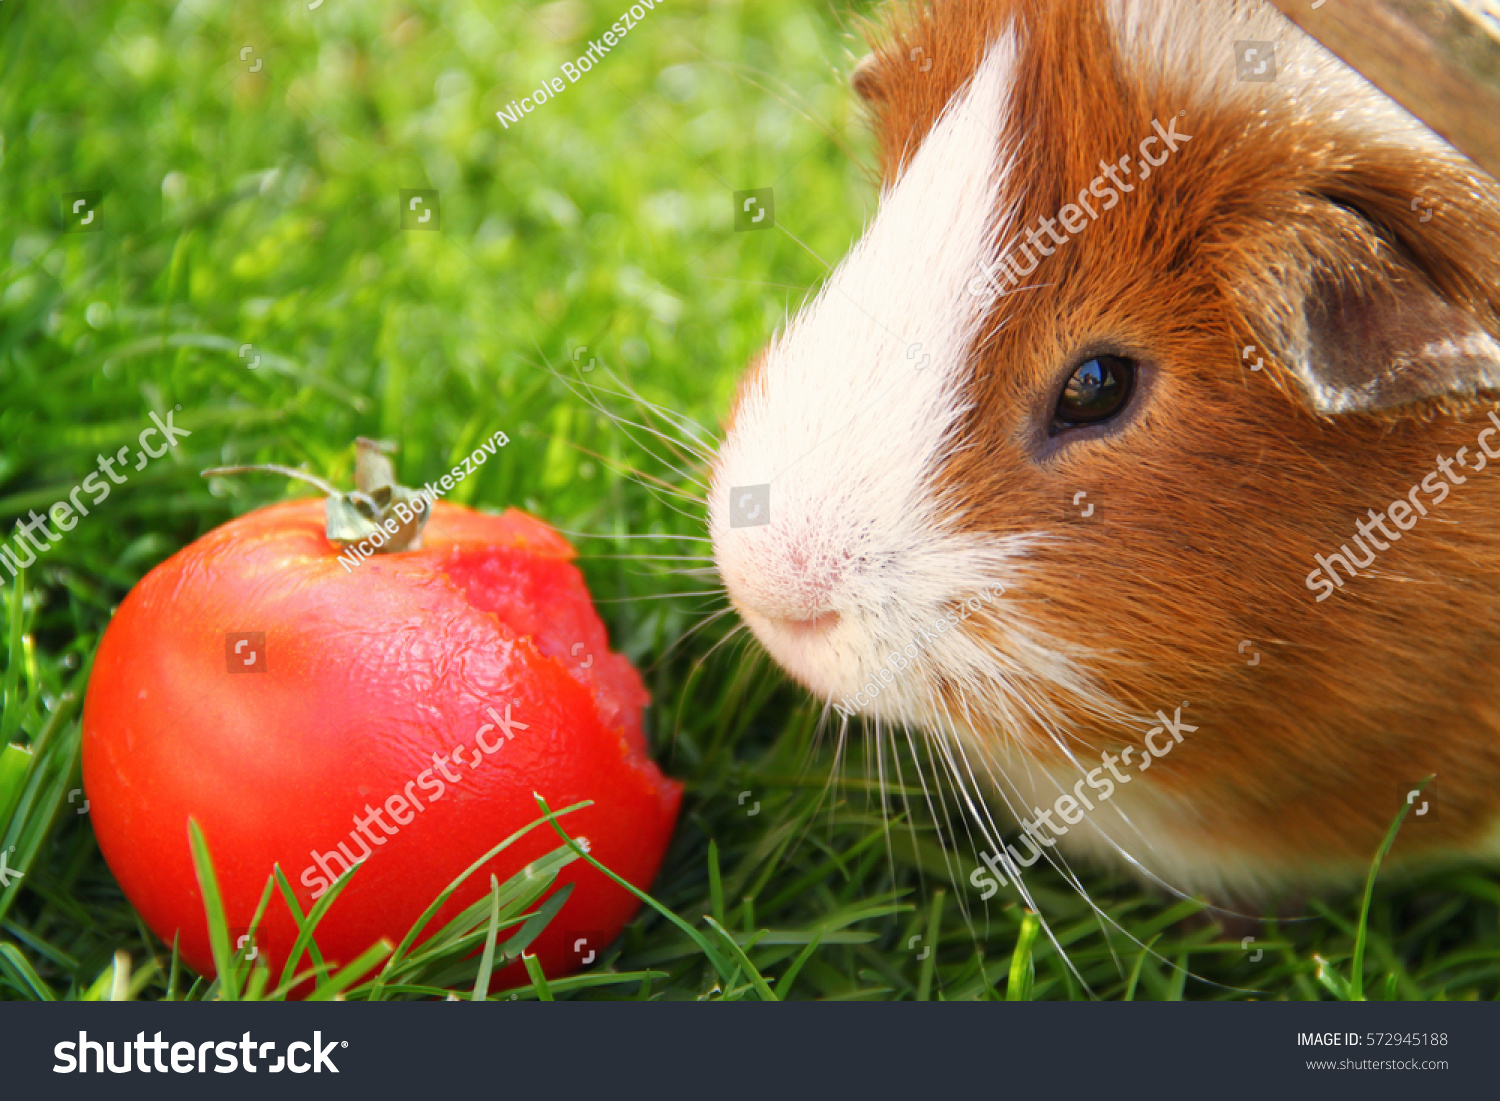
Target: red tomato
[{"x": 401, "y": 713}]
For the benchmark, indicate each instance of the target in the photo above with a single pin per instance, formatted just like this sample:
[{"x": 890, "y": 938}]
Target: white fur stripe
[{"x": 853, "y": 409}]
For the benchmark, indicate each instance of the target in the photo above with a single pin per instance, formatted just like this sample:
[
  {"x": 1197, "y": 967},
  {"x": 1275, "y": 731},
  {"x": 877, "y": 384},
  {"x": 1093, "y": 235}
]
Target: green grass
[{"x": 262, "y": 209}]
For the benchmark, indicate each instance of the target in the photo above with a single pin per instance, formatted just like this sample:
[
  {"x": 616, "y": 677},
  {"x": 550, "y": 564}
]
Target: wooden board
[{"x": 1440, "y": 59}]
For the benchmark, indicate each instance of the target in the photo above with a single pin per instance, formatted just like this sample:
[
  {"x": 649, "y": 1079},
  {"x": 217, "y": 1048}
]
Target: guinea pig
[{"x": 1138, "y": 455}]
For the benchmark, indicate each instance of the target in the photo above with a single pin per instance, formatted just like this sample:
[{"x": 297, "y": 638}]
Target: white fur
[
  {"x": 1189, "y": 45},
  {"x": 849, "y": 431}
]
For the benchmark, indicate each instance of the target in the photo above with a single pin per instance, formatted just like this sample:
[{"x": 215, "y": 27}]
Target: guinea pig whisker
[
  {"x": 903, "y": 793},
  {"x": 651, "y": 557},
  {"x": 697, "y": 440},
  {"x": 636, "y": 535},
  {"x": 740, "y": 631},
  {"x": 1059, "y": 862},
  {"x": 634, "y": 474},
  {"x": 629, "y": 393},
  {"x": 1118, "y": 715},
  {"x": 811, "y": 252},
  {"x": 669, "y": 441},
  {"x": 695, "y": 573},
  {"x": 757, "y": 283},
  {"x": 653, "y": 484},
  {"x": 656, "y": 596},
  {"x": 885, "y": 811},
  {"x": 677, "y": 420},
  {"x": 783, "y": 92},
  {"x": 993, "y": 834},
  {"x": 663, "y": 484},
  {"x": 995, "y": 837},
  {"x": 939, "y": 814},
  {"x": 689, "y": 633},
  {"x": 692, "y": 573},
  {"x": 697, "y": 519},
  {"x": 619, "y": 422}
]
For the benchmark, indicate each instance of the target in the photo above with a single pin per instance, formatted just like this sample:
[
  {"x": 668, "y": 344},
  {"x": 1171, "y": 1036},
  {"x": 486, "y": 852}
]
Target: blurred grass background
[{"x": 249, "y": 160}]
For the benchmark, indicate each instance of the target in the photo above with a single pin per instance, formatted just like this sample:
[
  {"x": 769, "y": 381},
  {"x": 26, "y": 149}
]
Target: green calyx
[{"x": 375, "y": 505}]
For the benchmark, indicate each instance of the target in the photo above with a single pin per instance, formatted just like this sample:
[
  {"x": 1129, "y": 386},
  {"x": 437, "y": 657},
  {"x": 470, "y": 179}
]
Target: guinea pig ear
[{"x": 1378, "y": 342}]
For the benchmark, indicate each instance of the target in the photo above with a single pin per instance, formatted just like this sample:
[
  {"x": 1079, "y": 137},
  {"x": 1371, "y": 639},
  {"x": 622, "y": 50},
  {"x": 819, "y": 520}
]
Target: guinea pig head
[{"x": 1133, "y": 342}]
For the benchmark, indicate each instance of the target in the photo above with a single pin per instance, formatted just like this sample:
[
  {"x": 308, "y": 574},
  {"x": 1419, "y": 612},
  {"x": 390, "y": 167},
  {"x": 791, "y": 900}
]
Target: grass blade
[
  {"x": 447, "y": 893},
  {"x": 487, "y": 958},
  {"x": 1023, "y": 970},
  {"x": 756, "y": 978},
  {"x": 306, "y": 926},
  {"x": 534, "y": 969},
  {"x": 784, "y": 984},
  {"x": 23, "y": 974},
  {"x": 1357, "y": 964},
  {"x": 929, "y": 961},
  {"x": 719, "y": 963},
  {"x": 346, "y": 977},
  {"x": 213, "y": 909},
  {"x": 15, "y": 762},
  {"x": 260, "y": 912},
  {"x": 10, "y": 716},
  {"x": 536, "y": 923},
  {"x": 715, "y": 882}
]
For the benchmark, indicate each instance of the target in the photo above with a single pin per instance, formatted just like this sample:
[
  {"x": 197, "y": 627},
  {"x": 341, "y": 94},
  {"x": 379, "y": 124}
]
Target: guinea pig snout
[{"x": 787, "y": 583}]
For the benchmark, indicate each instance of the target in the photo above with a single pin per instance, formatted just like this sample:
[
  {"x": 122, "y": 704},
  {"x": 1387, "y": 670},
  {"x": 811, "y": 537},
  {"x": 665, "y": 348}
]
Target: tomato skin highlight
[{"x": 379, "y": 690}]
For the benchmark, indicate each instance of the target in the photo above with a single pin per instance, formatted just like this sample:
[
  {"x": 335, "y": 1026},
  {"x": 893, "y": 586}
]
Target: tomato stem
[
  {"x": 379, "y": 513},
  {"x": 276, "y": 468}
]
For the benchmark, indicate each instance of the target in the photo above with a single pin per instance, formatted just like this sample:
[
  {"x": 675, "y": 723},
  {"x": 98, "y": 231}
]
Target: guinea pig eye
[{"x": 1098, "y": 390}]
